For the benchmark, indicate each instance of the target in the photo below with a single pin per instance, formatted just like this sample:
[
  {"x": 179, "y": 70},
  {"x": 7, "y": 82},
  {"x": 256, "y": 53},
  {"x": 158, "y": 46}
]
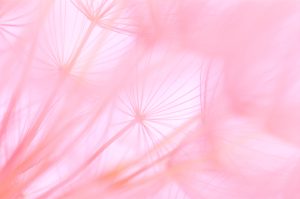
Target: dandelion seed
[{"x": 149, "y": 99}]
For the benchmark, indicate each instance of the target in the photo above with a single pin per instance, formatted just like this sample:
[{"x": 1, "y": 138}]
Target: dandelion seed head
[
  {"x": 139, "y": 117},
  {"x": 125, "y": 99}
]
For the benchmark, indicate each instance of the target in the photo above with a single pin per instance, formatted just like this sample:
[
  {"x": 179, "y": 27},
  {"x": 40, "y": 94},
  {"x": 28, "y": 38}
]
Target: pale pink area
[{"x": 149, "y": 99}]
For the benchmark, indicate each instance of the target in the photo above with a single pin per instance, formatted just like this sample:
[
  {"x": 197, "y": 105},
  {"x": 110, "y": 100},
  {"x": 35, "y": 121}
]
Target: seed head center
[{"x": 139, "y": 117}]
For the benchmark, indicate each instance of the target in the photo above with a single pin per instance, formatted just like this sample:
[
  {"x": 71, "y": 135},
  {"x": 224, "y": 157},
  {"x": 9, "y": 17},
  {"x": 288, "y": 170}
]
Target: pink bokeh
[{"x": 149, "y": 99}]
